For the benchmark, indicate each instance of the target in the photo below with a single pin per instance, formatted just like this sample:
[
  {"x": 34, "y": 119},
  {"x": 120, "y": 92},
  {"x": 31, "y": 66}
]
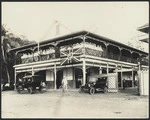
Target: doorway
[
  {"x": 78, "y": 77},
  {"x": 119, "y": 79},
  {"x": 59, "y": 78}
]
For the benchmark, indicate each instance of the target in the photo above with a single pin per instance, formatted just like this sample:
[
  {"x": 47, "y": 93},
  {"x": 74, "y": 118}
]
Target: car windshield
[
  {"x": 92, "y": 79},
  {"x": 103, "y": 79},
  {"x": 36, "y": 78}
]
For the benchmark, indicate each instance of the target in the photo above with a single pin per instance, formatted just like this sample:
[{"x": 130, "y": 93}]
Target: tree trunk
[{"x": 3, "y": 57}]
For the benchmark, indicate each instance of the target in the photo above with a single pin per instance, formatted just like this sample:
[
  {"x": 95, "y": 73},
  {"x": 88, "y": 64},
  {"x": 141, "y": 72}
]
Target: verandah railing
[
  {"x": 41, "y": 57},
  {"x": 88, "y": 51}
]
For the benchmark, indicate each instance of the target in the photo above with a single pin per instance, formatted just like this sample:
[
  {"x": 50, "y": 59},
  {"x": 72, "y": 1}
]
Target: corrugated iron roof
[
  {"x": 74, "y": 35},
  {"x": 144, "y": 28}
]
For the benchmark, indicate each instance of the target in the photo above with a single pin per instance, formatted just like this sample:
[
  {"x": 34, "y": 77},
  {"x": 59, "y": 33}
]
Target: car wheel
[
  {"x": 40, "y": 90},
  {"x": 30, "y": 90},
  {"x": 80, "y": 90},
  {"x": 105, "y": 90},
  {"x": 18, "y": 90},
  {"x": 92, "y": 91}
]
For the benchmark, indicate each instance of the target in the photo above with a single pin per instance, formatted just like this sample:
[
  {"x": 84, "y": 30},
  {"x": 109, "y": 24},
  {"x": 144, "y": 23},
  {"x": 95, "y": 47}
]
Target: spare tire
[
  {"x": 30, "y": 90},
  {"x": 81, "y": 90},
  {"x": 105, "y": 89},
  {"x": 18, "y": 90},
  {"x": 92, "y": 91}
]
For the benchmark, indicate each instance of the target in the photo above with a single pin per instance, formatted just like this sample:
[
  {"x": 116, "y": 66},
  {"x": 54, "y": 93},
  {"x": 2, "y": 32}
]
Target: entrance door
[
  {"x": 78, "y": 77},
  {"x": 119, "y": 79},
  {"x": 59, "y": 78}
]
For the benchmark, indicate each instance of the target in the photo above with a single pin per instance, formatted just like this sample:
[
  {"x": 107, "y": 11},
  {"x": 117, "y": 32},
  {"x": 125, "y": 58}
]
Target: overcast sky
[{"x": 115, "y": 20}]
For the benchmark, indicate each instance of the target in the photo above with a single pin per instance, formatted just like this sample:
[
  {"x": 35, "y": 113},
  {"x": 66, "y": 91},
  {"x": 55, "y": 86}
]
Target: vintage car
[
  {"x": 95, "y": 83},
  {"x": 7, "y": 86},
  {"x": 31, "y": 83}
]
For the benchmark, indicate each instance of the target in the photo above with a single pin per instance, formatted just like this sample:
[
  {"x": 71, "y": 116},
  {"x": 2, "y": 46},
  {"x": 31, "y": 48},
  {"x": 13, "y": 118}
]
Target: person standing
[
  {"x": 64, "y": 83},
  {"x": 124, "y": 84}
]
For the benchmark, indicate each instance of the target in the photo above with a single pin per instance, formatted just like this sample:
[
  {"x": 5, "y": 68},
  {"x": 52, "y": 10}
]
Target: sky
[{"x": 116, "y": 20}]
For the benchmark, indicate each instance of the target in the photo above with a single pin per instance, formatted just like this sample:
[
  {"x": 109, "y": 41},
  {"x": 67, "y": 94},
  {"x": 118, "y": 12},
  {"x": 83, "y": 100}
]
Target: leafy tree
[
  {"x": 9, "y": 41},
  {"x": 136, "y": 44}
]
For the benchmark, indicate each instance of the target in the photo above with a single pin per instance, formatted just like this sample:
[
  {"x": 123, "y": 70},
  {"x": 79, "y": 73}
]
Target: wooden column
[
  {"x": 84, "y": 66},
  {"x": 32, "y": 55},
  {"x": 106, "y": 50},
  {"x": 121, "y": 77},
  {"x": 116, "y": 68},
  {"x": 107, "y": 67},
  {"x": 132, "y": 79},
  {"x": 32, "y": 71},
  {"x": 55, "y": 76},
  {"x": 84, "y": 72},
  {"x": 139, "y": 79},
  {"x": 100, "y": 69},
  {"x": 120, "y": 53},
  {"x": 84, "y": 44},
  {"x": 15, "y": 79},
  {"x": 74, "y": 81},
  {"x": 16, "y": 58}
]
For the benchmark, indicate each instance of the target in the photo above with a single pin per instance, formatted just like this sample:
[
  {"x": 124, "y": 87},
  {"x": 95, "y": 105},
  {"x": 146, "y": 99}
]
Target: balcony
[
  {"x": 41, "y": 57},
  {"x": 77, "y": 52},
  {"x": 144, "y": 37},
  {"x": 92, "y": 52},
  {"x": 144, "y": 61}
]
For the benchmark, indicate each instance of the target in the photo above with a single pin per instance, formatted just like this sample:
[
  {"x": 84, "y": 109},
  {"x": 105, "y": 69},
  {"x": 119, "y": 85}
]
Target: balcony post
[
  {"x": 32, "y": 55},
  {"x": 120, "y": 53},
  {"x": 107, "y": 49},
  {"x": 16, "y": 58},
  {"x": 140, "y": 58},
  {"x": 83, "y": 38},
  {"x": 116, "y": 68},
  {"x": 131, "y": 56}
]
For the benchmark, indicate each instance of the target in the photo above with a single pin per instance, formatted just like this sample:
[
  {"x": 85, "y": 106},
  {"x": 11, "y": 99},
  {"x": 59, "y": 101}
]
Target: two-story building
[
  {"x": 77, "y": 56},
  {"x": 144, "y": 74},
  {"x": 144, "y": 33}
]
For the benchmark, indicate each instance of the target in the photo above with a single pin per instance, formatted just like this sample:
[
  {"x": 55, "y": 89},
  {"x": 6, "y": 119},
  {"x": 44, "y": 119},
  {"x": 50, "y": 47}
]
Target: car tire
[
  {"x": 105, "y": 89},
  {"x": 92, "y": 91},
  {"x": 18, "y": 90},
  {"x": 40, "y": 89},
  {"x": 80, "y": 90},
  {"x": 30, "y": 90}
]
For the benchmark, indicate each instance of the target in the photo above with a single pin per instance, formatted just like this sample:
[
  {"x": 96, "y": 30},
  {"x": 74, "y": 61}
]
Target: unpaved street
[{"x": 56, "y": 104}]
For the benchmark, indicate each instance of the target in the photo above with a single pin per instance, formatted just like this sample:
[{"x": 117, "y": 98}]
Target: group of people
[
  {"x": 26, "y": 55},
  {"x": 43, "y": 52},
  {"x": 63, "y": 48},
  {"x": 47, "y": 51},
  {"x": 80, "y": 45}
]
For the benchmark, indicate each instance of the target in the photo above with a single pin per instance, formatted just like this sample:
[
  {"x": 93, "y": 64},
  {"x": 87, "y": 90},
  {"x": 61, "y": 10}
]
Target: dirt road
[{"x": 56, "y": 104}]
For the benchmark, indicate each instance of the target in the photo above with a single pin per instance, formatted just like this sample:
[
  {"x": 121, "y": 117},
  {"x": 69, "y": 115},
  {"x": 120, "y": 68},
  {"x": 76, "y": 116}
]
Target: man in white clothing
[{"x": 64, "y": 83}]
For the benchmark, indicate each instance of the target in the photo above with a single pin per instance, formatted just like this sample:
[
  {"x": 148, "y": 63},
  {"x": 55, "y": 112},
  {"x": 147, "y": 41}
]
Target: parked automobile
[
  {"x": 95, "y": 83},
  {"x": 7, "y": 86},
  {"x": 31, "y": 83}
]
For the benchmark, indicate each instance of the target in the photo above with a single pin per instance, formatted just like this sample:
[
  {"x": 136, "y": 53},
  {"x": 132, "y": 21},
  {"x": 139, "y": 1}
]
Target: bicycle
[{"x": 63, "y": 89}]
